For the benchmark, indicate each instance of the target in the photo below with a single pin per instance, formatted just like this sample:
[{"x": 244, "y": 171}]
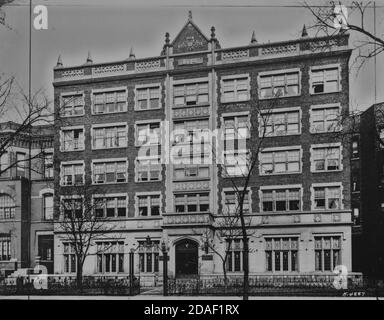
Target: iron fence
[
  {"x": 276, "y": 285},
  {"x": 67, "y": 285}
]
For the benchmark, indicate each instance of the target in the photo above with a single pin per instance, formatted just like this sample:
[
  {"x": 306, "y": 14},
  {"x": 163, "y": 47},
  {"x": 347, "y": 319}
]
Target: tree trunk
[
  {"x": 245, "y": 267},
  {"x": 79, "y": 275},
  {"x": 225, "y": 277}
]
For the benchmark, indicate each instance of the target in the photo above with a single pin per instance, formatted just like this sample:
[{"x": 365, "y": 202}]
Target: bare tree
[
  {"x": 330, "y": 20},
  {"x": 80, "y": 225}
]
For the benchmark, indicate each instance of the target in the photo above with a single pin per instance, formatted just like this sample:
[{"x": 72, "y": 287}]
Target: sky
[{"x": 108, "y": 29}]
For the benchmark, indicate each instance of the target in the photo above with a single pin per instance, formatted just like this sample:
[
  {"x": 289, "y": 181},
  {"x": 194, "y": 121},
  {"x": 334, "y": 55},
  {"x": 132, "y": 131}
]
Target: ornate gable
[{"x": 190, "y": 38}]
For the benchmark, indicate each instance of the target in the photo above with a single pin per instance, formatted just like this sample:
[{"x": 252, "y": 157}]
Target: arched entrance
[{"x": 187, "y": 258}]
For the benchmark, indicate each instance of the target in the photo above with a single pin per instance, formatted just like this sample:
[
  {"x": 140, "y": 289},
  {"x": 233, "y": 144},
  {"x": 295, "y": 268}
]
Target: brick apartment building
[
  {"x": 368, "y": 192},
  {"x": 26, "y": 202},
  {"x": 299, "y": 200}
]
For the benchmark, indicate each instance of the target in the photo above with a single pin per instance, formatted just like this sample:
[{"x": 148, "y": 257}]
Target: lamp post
[
  {"x": 165, "y": 268},
  {"x": 131, "y": 271}
]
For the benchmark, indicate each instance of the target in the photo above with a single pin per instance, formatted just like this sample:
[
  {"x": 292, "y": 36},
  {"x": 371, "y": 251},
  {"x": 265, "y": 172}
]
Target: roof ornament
[
  {"x": 131, "y": 54},
  {"x": 189, "y": 15},
  {"x": 304, "y": 32},
  {"x": 253, "y": 38},
  {"x": 59, "y": 62},
  {"x": 89, "y": 58},
  {"x": 213, "y": 35},
  {"x": 167, "y": 38}
]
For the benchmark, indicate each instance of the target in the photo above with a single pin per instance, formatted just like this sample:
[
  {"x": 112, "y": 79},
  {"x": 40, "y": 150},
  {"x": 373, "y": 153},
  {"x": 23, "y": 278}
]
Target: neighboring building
[
  {"x": 368, "y": 192},
  {"x": 26, "y": 235},
  {"x": 299, "y": 199}
]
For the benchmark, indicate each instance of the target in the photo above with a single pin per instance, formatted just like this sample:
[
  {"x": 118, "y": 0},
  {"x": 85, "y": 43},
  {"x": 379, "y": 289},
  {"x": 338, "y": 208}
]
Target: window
[
  {"x": 110, "y": 137},
  {"x": 69, "y": 258},
  {"x": 72, "y": 208},
  {"x": 327, "y": 253},
  {"x": 110, "y": 206},
  {"x": 72, "y": 105},
  {"x": 148, "y": 98},
  {"x": 381, "y": 138},
  {"x": 48, "y": 206},
  {"x": 48, "y": 165},
  {"x": 192, "y": 202},
  {"x": 4, "y": 163},
  {"x": 325, "y": 119},
  {"x": 281, "y": 254},
  {"x": 235, "y": 163},
  {"x": 110, "y": 257},
  {"x": 279, "y": 124},
  {"x": 148, "y": 169},
  {"x": 277, "y": 162},
  {"x": 356, "y": 215},
  {"x": 189, "y": 131},
  {"x": 45, "y": 247},
  {"x": 279, "y": 85},
  {"x": 236, "y": 128},
  {"x": 324, "y": 80},
  {"x": 326, "y": 159},
  {"x": 274, "y": 200},
  {"x": 149, "y": 256},
  {"x": 72, "y": 139},
  {"x": 5, "y": 247},
  {"x": 109, "y": 102},
  {"x": 235, "y": 255},
  {"x": 72, "y": 174},
  {"x": 355, "y": 147},
  {"x": 148, "y": 205},
  {"x": 110, "y": 171},
  {"x": 190, "y": 172},
  {"x": 20, "y": 163},
  {"x": 190, "y": 94},
  {"x": 148, "y": 133},
  {"x": 235, "y": 89},
  {"x": 231, "y": 202},
  {"x": 327, "y": 198},
  {"x": 7, "y": 207}
]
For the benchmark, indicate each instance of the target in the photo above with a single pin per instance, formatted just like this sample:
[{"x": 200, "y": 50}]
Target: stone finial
[
  {"x": 304, "y": 32},
  {"x": 167, "y": 38},
  {"x": 189, "y": 15},
  {"x": 213, "y": 34},
  {"x": 253, "y": 38},
  {"x": 131, "y": 54},
  {"x": 59, "y": 62},
  {"x": 89, "y": 58}
]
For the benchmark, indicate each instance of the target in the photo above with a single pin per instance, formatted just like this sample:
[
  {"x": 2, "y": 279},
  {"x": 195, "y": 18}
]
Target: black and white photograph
[{"x": 179, "y": 150}]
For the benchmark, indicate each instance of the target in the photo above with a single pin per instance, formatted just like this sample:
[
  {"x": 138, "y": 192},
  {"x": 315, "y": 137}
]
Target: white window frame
[
  {"x": 235, "y": 77},
  {"x": 185, "y": 167},
  {"x": 324, "y": 146},
  {"x": 273, "y": 250},
  {"x": 108, "y": 90},
  {"x": 235, "y": 115},
  {"x": 147, "y": 86},
  {"x": 279, "y": 149},
  {"x": 274, "y": 73},
  {"x": 69, "y": 94},
  {"x": 327, "y": 185},
  {"x": 149, "y": 193},
  {"x": 280, "y": 187},
  {"x": 109, "y": 125},
  {"x": 106, "y": 161},
  {"x": 115, "y": 196},
  {"x": 276, "y": 111},
  {"x": 72, "y": 128},
  {"x": 189, "y": 82},
  {"x": 327, "y": 235},
  {"x": 324, "y": 106},
  {"x": 226, "y": 190},
  {"x": 63, "y": 164},
  {"x": 137, "y": 159},
  {"x": 324, "y": 67},
  {"x": 69, "y": 197},
  {"x": 147, "y": 122}
]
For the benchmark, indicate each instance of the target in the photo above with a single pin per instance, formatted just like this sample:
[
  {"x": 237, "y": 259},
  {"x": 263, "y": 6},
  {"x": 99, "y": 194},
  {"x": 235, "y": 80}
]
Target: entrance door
[
  {"x": 45, "y": 250},
  {"x": 186, "y": 258}
]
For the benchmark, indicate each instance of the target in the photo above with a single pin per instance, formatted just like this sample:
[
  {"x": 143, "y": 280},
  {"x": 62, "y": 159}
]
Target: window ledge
[
  {"x": 235, "y": 101},
  {"x": 282, "y": 97}
]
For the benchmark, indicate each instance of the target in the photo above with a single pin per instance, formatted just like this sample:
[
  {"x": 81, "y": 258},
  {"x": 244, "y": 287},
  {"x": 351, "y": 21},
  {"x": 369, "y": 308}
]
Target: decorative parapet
[
  {"x": 191, "y": 112},
  {"x": 107, "y": 70},
  {"x": 235, "y": 55},
  {"x": 279, "y": 49},
  {"x": 189, "y": 186},
  {"x": 177, "y": 219},
  {"x": 147, "y": 65},
  {"x": 72, "y": 74}
]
